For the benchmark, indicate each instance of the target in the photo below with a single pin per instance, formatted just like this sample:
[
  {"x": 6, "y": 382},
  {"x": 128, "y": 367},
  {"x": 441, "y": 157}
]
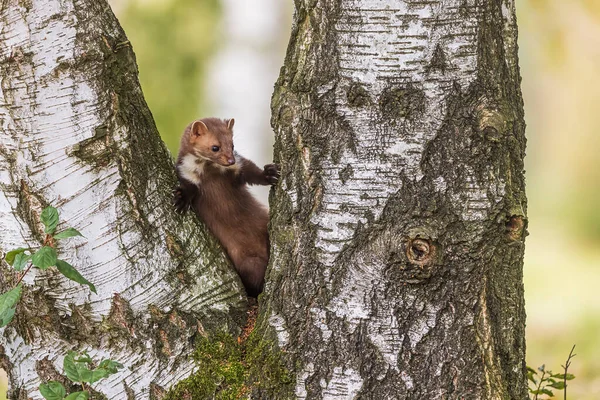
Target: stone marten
[{"x": 212, "y": 181}]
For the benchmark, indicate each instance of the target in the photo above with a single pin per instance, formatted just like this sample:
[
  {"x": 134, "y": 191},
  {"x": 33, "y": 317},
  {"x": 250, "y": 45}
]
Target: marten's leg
[
  {"x": 252, "y": 175},
  {"x": 252, "y": 272},
  {"x": 184, "y": 195}
]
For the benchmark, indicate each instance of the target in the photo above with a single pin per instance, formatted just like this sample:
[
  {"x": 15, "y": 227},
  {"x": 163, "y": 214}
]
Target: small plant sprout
[
  {"x": 23, "y": 259},
  {"x": 541, "y": 385},
  {"x": 78, "y": 369},
  {"x": 567, "y": 376}
]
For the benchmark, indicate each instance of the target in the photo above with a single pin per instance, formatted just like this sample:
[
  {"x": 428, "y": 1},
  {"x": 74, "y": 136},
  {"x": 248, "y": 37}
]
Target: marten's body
[{"x": 213, "y": 182}]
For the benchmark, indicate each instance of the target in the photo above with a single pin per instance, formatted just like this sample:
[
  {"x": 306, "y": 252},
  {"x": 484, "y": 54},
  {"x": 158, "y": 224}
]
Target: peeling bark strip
[
  {"x": 396, "y": 266},
  {"x": 76, "y": 133}
]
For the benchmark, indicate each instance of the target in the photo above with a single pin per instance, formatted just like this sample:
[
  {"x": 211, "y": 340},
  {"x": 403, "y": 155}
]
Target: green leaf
[
  {"x": 70, "y": 368},
  {"x": 20, "y": 261},
  {"x": 531, "y": 374},
  {"x": 10, "y": 298},
  {"x": 78, "y": 396},
  {"x": 548, "y": 392},
  {"x": 112, "y": 366},
  {"x": 67, "y": 270},
  {"x": 563, "y": 376},
  {"x": 44, "y": 258},
  {"x": 10, "y": 256},
  {"x": 53, "y": 391},
  {"x": 7, "y": 316},
  {"x": 93, "y": 376},
  {"x": 50, "y": 219},
  {"x": 542, "y": 391},
  {"x": 84, "y": 358},
  {"x": 8, "y": 301},
  {"x": 558, "y": 385},
  {"x": 69, "y": 232},
  {"x": 77, "y": 369}
]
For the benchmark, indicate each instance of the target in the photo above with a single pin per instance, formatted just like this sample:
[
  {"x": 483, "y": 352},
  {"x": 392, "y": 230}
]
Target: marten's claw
[
  {"x": 271, "y": 173},
  {"x": 179, "y": 200}
]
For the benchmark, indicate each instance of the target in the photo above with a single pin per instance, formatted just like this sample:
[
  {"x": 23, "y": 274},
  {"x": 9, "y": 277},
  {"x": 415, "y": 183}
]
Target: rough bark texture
[
  {"x": 75, "y": 133},
  {"x": 398, "y": 228}
]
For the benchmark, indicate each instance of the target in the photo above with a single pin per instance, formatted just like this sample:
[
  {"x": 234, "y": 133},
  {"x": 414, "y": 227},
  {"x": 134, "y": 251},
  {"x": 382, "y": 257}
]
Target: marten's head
[{"x": 211, "y": 139}]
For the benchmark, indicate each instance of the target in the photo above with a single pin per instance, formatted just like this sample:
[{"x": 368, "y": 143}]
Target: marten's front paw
[
  {"x": 180, "y": 200},
  {"x": 271, "y": 173}
]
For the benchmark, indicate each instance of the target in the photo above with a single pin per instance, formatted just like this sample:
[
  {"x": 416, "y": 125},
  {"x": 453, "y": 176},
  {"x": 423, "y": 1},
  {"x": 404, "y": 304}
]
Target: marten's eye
[{"x": 215, "y": 148}]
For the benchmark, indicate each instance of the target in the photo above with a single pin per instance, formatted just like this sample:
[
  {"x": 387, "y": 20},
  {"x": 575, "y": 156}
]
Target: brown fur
[{"x": 216, "y": 189}]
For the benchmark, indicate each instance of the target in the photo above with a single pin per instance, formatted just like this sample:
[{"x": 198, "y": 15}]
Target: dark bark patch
[
  {"x": 402, "y": 103},
  {"x": 438, "y": 61},
  {"x": 80, "y": 324},
  {"x": 408, "y": 273},
  {"x": 36, "y": 312},
  {"x": 346, "y": 173},
  {"x": 157, "y": 392},
  {"x": 98, "y": 150},
  {"x": 46, "y": 371},
  {"x": 120, "y": 317},
  {"x": 465, "y": 10},
  {"x": 173, "y": 246},
  {"x": 358, "y": 96},
  {"x": 286, "y": 116},
  {"x": 168, "y": 329},
  {"x": 129, "y": 391},
  {"x": 27, "y": 4},
  {"x": 62, "y": 67},
  {"x": 165, "y": 346},
  {"x": 369, "y": 216},
  {"x": 29, "y": 208}
]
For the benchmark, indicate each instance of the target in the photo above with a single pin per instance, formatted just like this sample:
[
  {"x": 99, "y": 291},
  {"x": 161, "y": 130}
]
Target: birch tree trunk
[
  {"x": 76, "y": 134},
  {"x": 398, "y": 227}
]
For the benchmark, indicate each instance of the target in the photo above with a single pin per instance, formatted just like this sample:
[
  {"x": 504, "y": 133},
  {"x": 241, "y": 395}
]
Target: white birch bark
[{"x": 76, "y": 133}]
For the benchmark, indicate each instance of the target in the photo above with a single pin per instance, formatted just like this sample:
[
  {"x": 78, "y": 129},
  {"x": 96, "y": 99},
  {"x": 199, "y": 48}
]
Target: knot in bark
[
  {"x": 515, "y": 227},
  {"x": 420, "y": 251}
]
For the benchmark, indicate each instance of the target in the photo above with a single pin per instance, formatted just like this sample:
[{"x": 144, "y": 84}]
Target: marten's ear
[
  {"x": 230, "y": 123},
  {"x": 199, "y": 128}
]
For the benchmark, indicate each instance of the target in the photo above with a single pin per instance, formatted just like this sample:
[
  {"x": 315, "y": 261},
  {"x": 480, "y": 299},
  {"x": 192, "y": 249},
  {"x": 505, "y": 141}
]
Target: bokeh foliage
[
  {"x": 173, "y": 41},
  {"x": 560, "y": 58}
]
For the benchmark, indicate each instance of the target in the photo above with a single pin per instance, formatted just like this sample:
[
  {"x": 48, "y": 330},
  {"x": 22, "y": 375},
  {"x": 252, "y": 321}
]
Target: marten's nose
[{"x": 231, "y": 161}]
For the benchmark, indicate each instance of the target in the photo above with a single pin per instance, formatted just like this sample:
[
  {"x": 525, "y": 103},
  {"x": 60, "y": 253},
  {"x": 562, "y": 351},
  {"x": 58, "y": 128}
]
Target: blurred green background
[{"x": 195, "y": 57}]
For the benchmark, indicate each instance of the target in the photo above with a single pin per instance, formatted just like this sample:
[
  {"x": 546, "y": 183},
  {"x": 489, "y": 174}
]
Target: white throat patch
[{"x": 191, "y": 168}]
